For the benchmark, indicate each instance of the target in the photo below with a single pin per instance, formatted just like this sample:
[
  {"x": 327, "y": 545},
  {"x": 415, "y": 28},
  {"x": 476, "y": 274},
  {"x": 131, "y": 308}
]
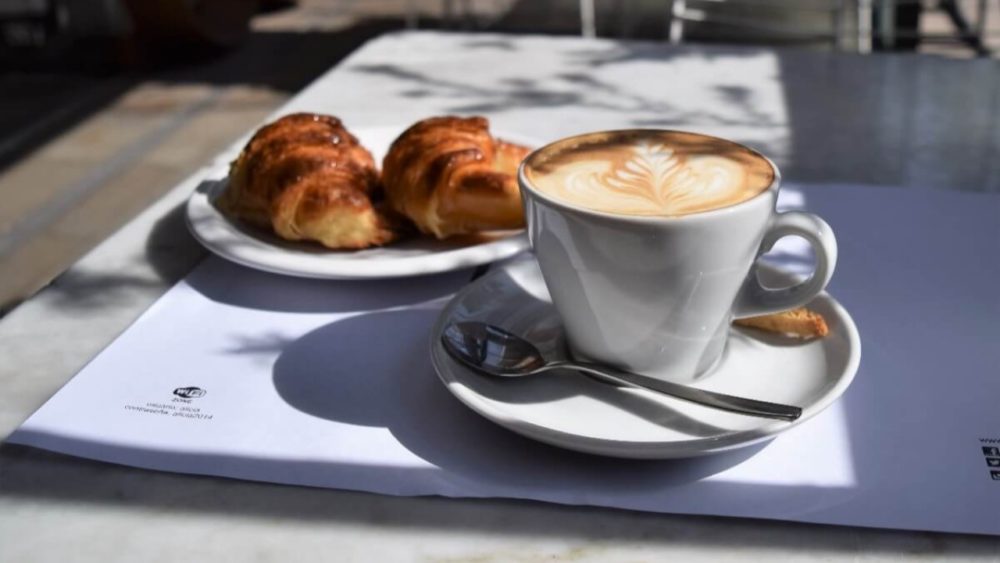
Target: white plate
[
  {"x": 576, "y": 413},
  {"x": 260, "y": 249}
]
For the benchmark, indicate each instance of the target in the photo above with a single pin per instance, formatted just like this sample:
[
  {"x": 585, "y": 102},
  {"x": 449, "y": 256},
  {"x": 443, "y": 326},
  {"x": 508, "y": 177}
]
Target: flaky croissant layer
[
  {"x": 450, "y": 176},
  {"x": 307, "y": 178}
]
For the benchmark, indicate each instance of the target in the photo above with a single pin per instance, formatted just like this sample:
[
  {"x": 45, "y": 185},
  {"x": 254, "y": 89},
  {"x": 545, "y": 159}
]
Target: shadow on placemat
[{"x": 322, "y": 374}]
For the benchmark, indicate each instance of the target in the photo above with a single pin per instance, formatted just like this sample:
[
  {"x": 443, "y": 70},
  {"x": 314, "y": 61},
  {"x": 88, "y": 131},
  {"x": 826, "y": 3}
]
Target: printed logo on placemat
[
  {"x": 195, "y": 392},
  {"x": 992, "y": 454}
]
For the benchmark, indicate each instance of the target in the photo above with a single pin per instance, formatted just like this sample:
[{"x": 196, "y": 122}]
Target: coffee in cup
[
  {"x": 649, "y": 173},
  {"x": 648, "y": 241}
]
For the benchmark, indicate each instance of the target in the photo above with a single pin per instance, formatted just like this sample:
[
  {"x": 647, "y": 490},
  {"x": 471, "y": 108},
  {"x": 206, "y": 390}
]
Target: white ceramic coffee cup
[{"x": 656, "y": 295}]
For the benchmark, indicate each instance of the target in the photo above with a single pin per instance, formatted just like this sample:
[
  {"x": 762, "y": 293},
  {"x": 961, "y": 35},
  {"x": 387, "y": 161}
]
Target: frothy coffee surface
[{"x": 665, "y": 173}]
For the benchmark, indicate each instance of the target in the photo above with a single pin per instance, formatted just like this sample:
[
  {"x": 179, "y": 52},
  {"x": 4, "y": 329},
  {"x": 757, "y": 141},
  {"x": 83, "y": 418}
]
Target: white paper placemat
[{"x": 250, "y": 375}]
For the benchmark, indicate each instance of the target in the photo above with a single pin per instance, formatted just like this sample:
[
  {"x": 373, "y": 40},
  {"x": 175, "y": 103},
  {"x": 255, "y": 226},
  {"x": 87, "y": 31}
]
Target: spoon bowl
[{"x": 491, "y": 349}]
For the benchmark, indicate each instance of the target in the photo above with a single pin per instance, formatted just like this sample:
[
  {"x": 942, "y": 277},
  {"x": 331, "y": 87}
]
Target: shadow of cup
[{"x": 324, "y": 375}]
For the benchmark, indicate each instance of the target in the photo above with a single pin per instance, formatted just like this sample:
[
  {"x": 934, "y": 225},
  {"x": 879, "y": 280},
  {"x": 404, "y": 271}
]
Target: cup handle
[{"x": 755, "y": 299}]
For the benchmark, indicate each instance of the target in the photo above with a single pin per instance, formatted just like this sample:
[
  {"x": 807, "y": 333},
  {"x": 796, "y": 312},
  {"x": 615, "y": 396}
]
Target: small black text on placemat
[
  {"x": 991, "y": 452},
  {"x": 179, "y": 405}
]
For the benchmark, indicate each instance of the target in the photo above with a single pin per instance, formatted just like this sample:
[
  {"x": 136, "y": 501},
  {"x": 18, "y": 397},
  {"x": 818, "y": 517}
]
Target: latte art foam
[{"x": 649, "y": 173}]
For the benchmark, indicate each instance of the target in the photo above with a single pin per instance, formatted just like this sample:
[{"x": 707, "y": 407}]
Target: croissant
[
  {"x": 307, "y": 178},
  {"x": 450, "y": 176}
]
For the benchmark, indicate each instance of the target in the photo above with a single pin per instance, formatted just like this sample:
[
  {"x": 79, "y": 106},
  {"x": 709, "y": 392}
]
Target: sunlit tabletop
[{"x": 824, "y": 118}]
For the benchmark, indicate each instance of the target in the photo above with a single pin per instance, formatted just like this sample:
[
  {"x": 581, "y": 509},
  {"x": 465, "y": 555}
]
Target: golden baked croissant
[
  {"x": 450, "y": 176},
  {"x": 306, "y": 177}
]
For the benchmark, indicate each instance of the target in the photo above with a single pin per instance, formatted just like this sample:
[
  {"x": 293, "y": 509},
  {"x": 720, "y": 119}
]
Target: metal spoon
[{"x": 494, "y": 351}]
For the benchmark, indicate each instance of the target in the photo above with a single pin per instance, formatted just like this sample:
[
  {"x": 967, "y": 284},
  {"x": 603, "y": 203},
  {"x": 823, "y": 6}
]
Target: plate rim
[
  {"x": 210, "y": 227},
  {"x": 639, "y": 450}
]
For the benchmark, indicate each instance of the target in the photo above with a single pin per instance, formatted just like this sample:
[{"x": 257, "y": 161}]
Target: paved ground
[{"x": 81, "y": 154}]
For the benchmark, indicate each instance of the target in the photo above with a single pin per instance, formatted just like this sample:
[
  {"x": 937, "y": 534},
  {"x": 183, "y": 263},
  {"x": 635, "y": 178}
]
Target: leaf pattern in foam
[{"x": 657, "y": 178}]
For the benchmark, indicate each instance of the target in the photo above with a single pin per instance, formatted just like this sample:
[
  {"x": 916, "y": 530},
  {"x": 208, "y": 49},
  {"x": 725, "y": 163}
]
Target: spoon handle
[{"x": 721, "y": 401}]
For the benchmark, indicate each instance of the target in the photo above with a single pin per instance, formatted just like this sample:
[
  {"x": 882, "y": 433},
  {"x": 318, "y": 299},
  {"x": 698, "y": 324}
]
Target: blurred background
[{"x": 107, "y": 104}]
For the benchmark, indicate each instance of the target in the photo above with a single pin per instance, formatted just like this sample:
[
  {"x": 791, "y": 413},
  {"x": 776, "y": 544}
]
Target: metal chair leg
[
  {"x": 588, "y": 25},
  {"x": 974, "y": 41},
  {"x": 864, "y": 8},
  {"x": 677, "y": 21}
]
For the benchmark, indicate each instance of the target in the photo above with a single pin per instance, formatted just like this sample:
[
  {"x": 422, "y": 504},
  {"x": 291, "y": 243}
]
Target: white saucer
[
  {"x": 263, "y": 250},
  {"x": 576, "y": 413}
]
